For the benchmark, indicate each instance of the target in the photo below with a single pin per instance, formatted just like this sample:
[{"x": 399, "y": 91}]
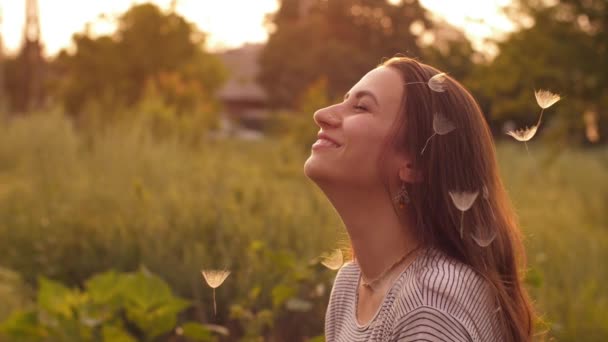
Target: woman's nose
[{"x": 327, "y": 117}]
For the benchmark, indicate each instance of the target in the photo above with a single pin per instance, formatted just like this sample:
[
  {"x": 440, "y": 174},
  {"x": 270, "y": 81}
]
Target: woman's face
[{"x": 352, "y": 133}]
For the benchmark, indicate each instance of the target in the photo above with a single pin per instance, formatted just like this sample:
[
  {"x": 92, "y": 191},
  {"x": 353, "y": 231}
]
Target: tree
[
  {"x": 148, "y": 46},
  {"x": 450, "y": 51},
  {"x": 336, "y": 40},
  {"x": 24, "y": 79},
  {"x": 563, "y": 50}
]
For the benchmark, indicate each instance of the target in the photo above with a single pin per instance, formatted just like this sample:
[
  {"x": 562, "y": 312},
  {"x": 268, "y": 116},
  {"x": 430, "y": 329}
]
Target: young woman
[{"x": 408, "y": 162}]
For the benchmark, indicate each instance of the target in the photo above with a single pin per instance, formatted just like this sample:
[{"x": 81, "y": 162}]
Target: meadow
[{"x": 77, "y": 203}]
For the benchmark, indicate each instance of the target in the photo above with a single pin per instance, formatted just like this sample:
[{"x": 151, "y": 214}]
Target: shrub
[{"x": 113, "y": 307}]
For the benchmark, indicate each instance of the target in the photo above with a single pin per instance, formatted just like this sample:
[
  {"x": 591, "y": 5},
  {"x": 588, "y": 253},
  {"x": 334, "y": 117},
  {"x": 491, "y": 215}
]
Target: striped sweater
[{"x": 435, "y": 298}]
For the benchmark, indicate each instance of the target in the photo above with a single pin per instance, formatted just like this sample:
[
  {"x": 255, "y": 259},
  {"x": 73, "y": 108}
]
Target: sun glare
[
  {"x": 478, "y": 19},
  {"x": 229, "y": 23}
]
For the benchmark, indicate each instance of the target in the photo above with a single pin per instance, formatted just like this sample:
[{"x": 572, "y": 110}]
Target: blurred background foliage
[{"x": 123, "y": 179}]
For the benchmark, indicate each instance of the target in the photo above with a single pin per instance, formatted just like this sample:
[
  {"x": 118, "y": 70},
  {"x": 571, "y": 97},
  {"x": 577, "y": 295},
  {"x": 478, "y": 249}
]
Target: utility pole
[
  {"x": 173, "y": 6},
  {"x": 32, "y": 57},
  {"x": 3, "y": 106}
]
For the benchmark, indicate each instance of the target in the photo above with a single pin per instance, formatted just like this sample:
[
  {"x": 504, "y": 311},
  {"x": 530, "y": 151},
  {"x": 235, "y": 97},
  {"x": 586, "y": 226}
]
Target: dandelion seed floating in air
[
  {"x": 484, "y": 241},
  {"x": 463, "y": 201},
  {"x": 333, "y": 260},
  {"x": 524, "y": 134},
  {"x": 215, "y": 278},
  {"x": 544, "y": 99},
  {"x": 435, "y": 83},
  {"x": 441, "y": 126}
]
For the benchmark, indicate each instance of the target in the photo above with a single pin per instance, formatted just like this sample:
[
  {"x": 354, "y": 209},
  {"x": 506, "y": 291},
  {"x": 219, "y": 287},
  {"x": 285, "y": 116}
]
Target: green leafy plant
[
  {"x": 112, "y": 307},
  {"x": 290, "y": 302}
]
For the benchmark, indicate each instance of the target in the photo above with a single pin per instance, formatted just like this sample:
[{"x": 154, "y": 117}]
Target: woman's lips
[{"x": 324, "y": 143}]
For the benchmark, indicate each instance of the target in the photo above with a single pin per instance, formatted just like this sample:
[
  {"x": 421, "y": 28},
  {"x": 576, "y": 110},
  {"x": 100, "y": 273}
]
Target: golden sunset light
[
  {"x": 229, "y": 23},
  {"x": 303, "y": 170}
]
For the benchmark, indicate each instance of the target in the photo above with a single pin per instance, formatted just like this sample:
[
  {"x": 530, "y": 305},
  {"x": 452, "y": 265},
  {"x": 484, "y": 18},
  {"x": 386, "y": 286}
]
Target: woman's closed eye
[{"x": 360, "y": 108}]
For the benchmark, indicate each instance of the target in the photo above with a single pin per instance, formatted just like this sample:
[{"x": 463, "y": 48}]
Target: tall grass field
[{"x": 76, "y": 203}]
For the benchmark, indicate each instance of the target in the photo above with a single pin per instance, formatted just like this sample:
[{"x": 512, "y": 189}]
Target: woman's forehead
[{"x": 384, "y": 82}]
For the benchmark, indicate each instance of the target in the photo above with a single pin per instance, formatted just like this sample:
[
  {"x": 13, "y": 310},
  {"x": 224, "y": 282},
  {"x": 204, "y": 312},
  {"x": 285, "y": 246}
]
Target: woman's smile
[{"x": 323, "y": 143}]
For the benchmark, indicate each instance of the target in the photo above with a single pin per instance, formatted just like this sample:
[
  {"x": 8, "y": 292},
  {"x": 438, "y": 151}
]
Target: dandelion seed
[
  {"x": 441, "y": 126},
  {"x": 333, "y": 260},
  {"x": 546, "y": 99},
  {"x": 463, "y": 201},
  {"x": 437, "y": 82},
  {"x": 524, "y": 134},
  {"x": 215, "y": 278},
  {"x": 483, "y": 241}
]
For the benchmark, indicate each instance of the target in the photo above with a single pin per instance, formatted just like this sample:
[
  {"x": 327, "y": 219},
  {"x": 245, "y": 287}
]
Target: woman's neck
[{"x": 378, "y": 236}]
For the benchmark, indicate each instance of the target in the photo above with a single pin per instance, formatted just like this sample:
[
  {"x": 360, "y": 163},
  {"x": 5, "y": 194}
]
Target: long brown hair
[{"x": 462, "y": 160}]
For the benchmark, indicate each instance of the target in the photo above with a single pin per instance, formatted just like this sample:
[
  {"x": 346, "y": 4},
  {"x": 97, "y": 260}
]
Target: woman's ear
[{"x": 408, "y": 173}]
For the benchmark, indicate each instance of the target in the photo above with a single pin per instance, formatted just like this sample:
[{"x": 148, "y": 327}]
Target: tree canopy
[
  {"x": 150, "y": 49},
  {"x": 563, "y": 48},
  {"x": 336, "y": 40}
]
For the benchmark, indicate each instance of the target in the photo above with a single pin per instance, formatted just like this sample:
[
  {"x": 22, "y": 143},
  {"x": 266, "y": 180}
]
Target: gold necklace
[{"x": 369, "y": 283}]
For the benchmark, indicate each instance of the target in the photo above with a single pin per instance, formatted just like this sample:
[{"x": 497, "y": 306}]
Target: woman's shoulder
[
  {"x": 342, "y": 297},
  {"x": 442, "y": 279},
  {"x": 448, "y": 289},
  {"x": 347, "y": 277}
]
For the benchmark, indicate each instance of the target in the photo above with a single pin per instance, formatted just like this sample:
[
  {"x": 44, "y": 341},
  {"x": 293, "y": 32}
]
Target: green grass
[
  {"x": 73, "y": 205},
  {"x": 562, "y": 203}
]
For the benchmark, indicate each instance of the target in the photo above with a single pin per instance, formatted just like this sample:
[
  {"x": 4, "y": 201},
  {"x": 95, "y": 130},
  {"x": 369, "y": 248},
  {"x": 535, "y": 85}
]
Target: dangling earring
[{"x": 402, "y": 197}]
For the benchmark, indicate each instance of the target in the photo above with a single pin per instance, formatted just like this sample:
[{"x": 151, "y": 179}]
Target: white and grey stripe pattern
[{"x": 436, "y": 298}]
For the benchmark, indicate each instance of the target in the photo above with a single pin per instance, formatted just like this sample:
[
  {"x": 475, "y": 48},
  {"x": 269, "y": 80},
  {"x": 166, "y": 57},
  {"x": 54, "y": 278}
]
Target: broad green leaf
[
  {"x": 159, "y": 320},
  {"x": 145, "y": 291},
  {"x": 104, "y": 287},
  {"x": 56, "y": 298}
]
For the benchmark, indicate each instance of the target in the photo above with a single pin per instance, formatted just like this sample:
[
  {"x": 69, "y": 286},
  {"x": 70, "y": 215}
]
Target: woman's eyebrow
[{"x": 362, "y": 93}]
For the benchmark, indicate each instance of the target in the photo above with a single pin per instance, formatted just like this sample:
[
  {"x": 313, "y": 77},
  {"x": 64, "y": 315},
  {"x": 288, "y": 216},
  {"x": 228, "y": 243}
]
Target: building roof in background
[{"x": 243, "y": 68}]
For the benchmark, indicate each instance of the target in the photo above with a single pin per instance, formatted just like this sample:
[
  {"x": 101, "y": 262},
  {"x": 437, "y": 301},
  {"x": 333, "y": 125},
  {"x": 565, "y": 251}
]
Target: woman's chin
[{"x": 315, "y": 169}]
